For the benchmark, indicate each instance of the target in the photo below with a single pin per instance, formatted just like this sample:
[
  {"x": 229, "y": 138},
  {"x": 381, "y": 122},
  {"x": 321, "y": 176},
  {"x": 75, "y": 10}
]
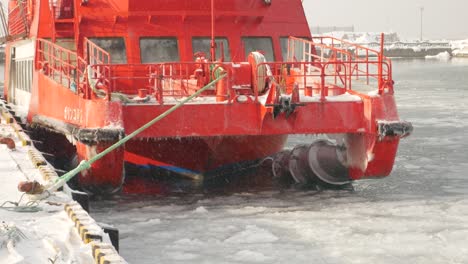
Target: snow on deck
[{"x": 47, "y": 236}]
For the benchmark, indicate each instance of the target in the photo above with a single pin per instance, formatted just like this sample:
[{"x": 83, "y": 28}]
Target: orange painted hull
[
  {"x": 83, "y": 70},
  {"x": 203, "y": 154}
]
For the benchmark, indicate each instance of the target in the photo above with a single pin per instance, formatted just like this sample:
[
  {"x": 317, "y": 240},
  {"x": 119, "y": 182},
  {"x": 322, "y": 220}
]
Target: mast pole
[
  {"x": 212, "y": 50},
  {"x": 421, "y": 29}
]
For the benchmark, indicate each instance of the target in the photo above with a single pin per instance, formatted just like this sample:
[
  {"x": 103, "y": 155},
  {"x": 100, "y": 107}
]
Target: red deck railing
[
  {"x": 161, "y": 80},
  {"x": 62, "y": 65},
  {"x": 18, "y": 24},
  {"x": 360, "y": 62},
  {"x": 320, "y": 79},
  {"x": 95, "y": 54},
  {"x": 321, "y": 68}
]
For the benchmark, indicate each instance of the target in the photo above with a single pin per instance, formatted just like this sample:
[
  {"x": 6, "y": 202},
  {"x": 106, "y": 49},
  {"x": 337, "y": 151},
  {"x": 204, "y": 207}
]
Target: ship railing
[
  {"x": 310, "y": 79},
  {"x": 361, "y": 63},
  {"x": 18, "y": 24},
  {"x": 94, "y": 54},
  {"x": 176, "y": 80},
  {"x": 62, "y": 65},
  {"x": 181, "y": 78},
  {"x": 326, "y": 78},
  {"x": 119, "y": 78},
  {"x": 100, "y": 66},
  {"x": 4, "y": 36}
]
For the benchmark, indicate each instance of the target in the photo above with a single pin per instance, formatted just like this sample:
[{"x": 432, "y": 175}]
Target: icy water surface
[{"x": 417, "y": 215}]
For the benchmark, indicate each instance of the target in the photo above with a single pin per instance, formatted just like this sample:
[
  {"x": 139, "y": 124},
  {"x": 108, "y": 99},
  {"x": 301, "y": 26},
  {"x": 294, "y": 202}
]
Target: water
[
  {"x": 433, "y": 96},
  {"x": 417, "y": 215}
]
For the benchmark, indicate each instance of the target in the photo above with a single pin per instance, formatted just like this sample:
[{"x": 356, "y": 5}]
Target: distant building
[
  {"x": 462, "y": 52},
  {"x": 320, "y": 30},
  {"x": 460, "y": 48},
  {"x": 394, "y": 46},
  {"x": 363, "y": 37}
]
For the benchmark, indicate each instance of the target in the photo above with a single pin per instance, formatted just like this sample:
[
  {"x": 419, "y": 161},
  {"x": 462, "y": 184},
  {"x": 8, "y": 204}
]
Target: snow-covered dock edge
[
  {"x": 90, "y": 232},
  {"x": 86, "y": 227}
]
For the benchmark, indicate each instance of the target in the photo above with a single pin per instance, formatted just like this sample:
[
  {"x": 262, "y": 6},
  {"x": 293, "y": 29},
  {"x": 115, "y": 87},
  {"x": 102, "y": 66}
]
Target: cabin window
[
  {"x": 115, "y": 47},
  {"x": 67, "y": 43},
  {"x": 159, "y": 50},
  {"x": 298, "y": 49},
  {"x": 63, "y": 8},
  {"x": 263, "y": 44},
  {"x": 203, "y": 44}
]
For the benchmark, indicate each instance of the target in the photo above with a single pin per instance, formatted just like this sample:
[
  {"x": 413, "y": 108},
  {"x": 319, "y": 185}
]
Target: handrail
[
  {"x": 317, "y": 78},
  {"x": 360, "y": 60},
  {"x": 75, "y": 73},
  {"x": 62, "y": 65},
  {"x": 322, "y": 66},
  {"x": 98, "y": 59},
  {"x": 95, "y": 54},
  {"x": 358, "y": 49},
  {"x": 3, "y": 25},
  {"x": 174, "y": 79},
  {"x": 18, "y": 25},
  {"x": 310, "y": 79},
  {"x": 336, "y": 42}
]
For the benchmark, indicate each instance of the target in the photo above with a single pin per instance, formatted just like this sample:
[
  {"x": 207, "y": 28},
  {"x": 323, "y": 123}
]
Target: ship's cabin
[
  {"x": 168, "y": 48},
  {"x": 165, "y": 47},
  {"x": 175, "y": 31}
]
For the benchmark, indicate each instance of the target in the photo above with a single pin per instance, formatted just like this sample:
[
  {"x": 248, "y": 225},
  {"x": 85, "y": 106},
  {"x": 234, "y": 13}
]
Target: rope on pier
[{"x": 28, "y": 207}]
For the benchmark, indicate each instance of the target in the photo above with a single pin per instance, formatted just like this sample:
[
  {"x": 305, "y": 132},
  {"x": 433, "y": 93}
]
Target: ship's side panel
[
  {"x": 20, "y": 74},
  {"x": 202, "y": 154},
  {"x": 59, "y": 103}
]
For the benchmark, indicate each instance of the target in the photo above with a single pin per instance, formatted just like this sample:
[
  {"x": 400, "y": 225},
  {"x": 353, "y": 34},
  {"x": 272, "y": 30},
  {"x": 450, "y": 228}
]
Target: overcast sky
[{"x": 441, "y": 18}]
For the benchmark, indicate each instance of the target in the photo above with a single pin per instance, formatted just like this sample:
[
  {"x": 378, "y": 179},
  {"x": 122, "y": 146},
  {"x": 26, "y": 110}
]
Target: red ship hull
[
  {"x": 203, "y": 154},
  {"x": 98, "y": 71}
]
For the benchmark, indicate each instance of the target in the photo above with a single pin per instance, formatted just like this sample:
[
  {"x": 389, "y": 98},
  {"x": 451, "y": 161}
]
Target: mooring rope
[{"x": 28, "y": 207}]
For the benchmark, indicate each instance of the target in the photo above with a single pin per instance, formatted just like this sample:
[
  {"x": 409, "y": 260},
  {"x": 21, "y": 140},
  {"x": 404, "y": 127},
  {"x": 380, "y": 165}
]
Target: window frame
[
  {"x": 228, "y": 48},
  {"x": 285, "y": 56},
  {"x": 273, "y": 58},
  {"x": 125, "y": 61},
  {"x": 177, "y": 41}
]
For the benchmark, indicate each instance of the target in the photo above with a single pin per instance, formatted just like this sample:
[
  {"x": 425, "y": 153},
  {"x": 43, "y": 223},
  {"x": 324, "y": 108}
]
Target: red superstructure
[{"x": 95, "y": 70}]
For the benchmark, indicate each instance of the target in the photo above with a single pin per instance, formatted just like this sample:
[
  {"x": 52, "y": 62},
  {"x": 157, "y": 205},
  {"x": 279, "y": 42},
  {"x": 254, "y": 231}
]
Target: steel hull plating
[{"x": 202, "y": 155}]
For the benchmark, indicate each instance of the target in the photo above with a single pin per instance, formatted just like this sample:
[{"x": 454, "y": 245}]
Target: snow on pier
[
  {"x": 41, "y": 231},
  {"x": 41, "y": 235}
]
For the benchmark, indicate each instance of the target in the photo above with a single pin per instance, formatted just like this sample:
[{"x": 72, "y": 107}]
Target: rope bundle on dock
[{"x": 10, "y": 143}]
